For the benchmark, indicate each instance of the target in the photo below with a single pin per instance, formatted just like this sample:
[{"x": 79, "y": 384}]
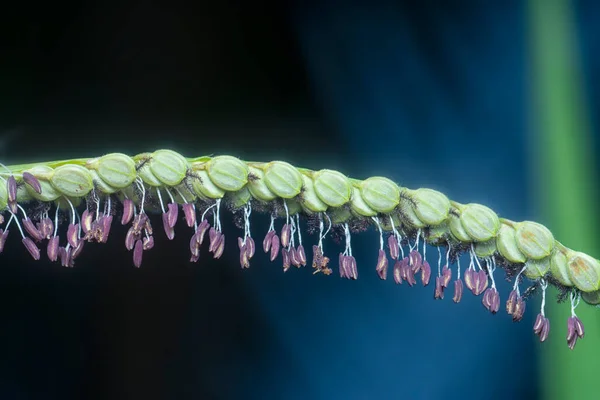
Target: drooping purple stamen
[
  {"x": 394, "y": 248},
  {"x": 33, "y": 182},
  {"x": 425, "y": 273},
  {"x": 286, "y": 231},
  {"x": 458, "y": 290},
  {"x": 138, "y": 252},
  {"x": 438, "y": 293},
  {"x": 32, "y": 230},
  {"x": 87, "y": 218},
  {"x": 541, "y": 327},
  {"x": 190, "y": 214},
  {"x": 128, "y": 211},
  {"x": 52, "y": 249},
  {"x": 169, "y": 231},
  {"x": 382, "y": 265},
  {"x": 73, "y": 234},
  {"x": 301, "y": 255},
  {"x": 446, "y": 276},
  {"x": 275, "y": 244},
  {"x": 3, "y": 236},
  {"x": 31, "y": 248},
  {"x": 11, "y": 186},
  {"x": 172, "y": 213}
]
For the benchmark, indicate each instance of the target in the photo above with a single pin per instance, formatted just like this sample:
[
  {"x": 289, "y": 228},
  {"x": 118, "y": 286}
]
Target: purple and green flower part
[{"x": 57, "y": 207}]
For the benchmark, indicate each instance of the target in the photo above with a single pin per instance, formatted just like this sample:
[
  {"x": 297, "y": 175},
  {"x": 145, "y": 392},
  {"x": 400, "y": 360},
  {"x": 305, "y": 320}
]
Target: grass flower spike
[{"x": 62, "y": 205}]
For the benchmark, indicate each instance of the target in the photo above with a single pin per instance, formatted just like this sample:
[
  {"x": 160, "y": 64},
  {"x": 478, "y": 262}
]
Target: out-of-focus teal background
[{"x": 494, "y": 103}]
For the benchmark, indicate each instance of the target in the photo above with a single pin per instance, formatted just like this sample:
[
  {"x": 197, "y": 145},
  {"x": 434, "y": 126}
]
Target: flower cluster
[{"x": 406, "y": 246}]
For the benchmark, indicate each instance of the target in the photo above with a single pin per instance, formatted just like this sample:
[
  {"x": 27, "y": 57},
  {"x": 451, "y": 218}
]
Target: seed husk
[
  {"x": 381, "y": 194},
  {"x": 72, "y": 180},
  {"x": 332, "y": 187},
  {"x": 228, "y": 173}
]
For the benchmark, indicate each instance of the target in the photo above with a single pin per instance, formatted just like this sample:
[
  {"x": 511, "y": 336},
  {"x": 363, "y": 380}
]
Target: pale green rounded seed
[
  {"x": 480, "y": 222},
  {"x": 44, "y": 175},
  {"x": 258, "y": 187},
  {"x": 64, "y": 204},
  {"x": 584, "y": 271},
  {"x": 101, "y": 185},
  {"x": 485, "y": 249},
  {"x": 506, "y": 243},
  {"x": 293, "y": 207},
  {"x": 168, "y": 167},
  {"x": 431, "y": 206},
  {"x": 386, "y": 223},
  {"x": 3, "y": 194},
  {"x": 437, "y": 235},
  {"x": 117, "y": 170},
  {"x": 457, "y": 229},
  {"x": 309, "y": 199},
  {"x": 592, "y": 298},
  {"x": 535, "y": 269},
  {"x": 408, "y": 215},
  {"x": 534, "y": 240},
  {"x": 340, "y": 215},
  {"x": 204, "y": 187},
  {"x": 227, "y": 172},
  {"x": 72, "y": 180},
  {"x": 23, "y": 195},
  {"x": 559, "y": 267},
  {"x": 283, "y": 179},
  {"x": 332, "y": 187},
  {"x": 359, "y": 206},
  {"x": 381, "y": 194},
  {"x": 238, "y": 199},
  {"x": 148, "y": 177}
]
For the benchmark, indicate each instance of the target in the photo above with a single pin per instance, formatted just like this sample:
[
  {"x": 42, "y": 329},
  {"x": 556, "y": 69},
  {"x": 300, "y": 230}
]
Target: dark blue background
[{"x": 433, "y": 94}]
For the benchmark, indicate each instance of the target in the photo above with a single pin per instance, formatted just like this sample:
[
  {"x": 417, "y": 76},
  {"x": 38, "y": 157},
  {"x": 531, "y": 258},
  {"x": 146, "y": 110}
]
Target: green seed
[
  {"x": 238, "y": 199},
  {"x": 116, "y": 170},
  {"x": 293, "y": 207},
  {"x": 64, "y": 204},
  {"x": 228, "y": 173},
  {"x": 44, "y": 175},
  {"x": 100, "y": 185},
  {"x": 584, "y": 271},
  {"x": 480, "y": 222},
  {"x": 457, "y": 229},
  {"x": 381, "y": 194},
  {"x": 592, "y": 298},
  {"x": 438, "y": 235},
  {"x": 485, "y": 249},
  {"x": 431, "y": 206},
  {"x": 386, "y": 224},
  {"x": 168, "y": 167},
  {"x": 204, "y": 187},
  {"x": 72, "y": 180},
  {"x": 23, "y": 195},
  {"x": 359, "y": 206},
  {"x": 534, "y": 240},
  {"x": 309, "y": 199},
  {"x": 332, "y": 187},
  {"x": 340, "y": 215},
  {"x": 3, "y": 194},
  {"x": 535, "y": 269},
  {"x": 148, "y": 177},
  {"x": 408, "y": 215},
  {"x": 283, "y": 179},
  {"x": 507, "y": 244},
  {"x": 258, "y": 187},
  {"x": 559, "y": 267}
]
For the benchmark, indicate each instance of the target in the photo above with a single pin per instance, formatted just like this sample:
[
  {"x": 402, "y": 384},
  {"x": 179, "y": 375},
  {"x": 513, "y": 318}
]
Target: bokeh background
[{"x": 489, "y": 102}]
